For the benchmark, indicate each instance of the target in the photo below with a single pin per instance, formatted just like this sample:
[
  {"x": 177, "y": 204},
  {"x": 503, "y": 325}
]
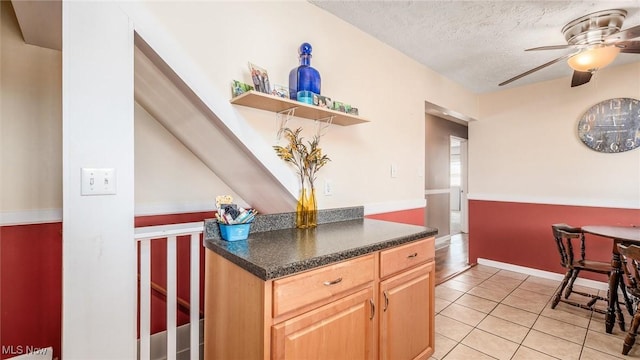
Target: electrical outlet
[
  {"x": 328, "y": 188},
  {"x": 98, "y": 181},
  {"x": 394, "y": 171}
]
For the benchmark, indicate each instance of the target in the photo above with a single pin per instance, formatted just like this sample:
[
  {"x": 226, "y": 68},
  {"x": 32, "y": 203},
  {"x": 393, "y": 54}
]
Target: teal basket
[{"x": 234, "y": 232}]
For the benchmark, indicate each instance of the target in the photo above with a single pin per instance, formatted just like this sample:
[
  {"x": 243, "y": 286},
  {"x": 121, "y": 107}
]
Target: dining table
[{"x": 627, "y": 235}]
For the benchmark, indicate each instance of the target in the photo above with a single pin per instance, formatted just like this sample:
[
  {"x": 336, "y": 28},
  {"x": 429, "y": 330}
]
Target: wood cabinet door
[
  {"x": 342, "y": 329},
  {"x": 406, "y": 305}
]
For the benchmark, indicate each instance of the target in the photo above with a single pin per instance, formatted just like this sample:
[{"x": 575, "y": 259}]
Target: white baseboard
[
  {"x": 542, "y": 274},
  {"x": 554, "y": 200}
]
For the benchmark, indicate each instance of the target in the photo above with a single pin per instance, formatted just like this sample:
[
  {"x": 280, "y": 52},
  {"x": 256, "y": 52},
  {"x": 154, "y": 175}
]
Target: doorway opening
[
  {"x": 444, "y": 129},
  {"x": 458, "y": 204},
  {"x": 454, "y": 258}
]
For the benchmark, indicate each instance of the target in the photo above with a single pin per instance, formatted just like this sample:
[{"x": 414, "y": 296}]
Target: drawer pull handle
[
  {"x": 386, "y": 301},
  {"x": 373, "y": 309},
  {"x": 332, "y": 282},
  {"x": 412, "y": 255}
]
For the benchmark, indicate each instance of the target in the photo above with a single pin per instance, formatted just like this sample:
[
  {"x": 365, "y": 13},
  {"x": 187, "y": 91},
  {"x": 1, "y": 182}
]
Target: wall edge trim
[
  {"x": 542, "y": 273},
  {"x": 151, "y": 209},
  {"x": 43, "y": 216},
  {"x": 551, "y": 200},
  {"x": 437, "y": 191},
  {"x": 391, "y": 206},
  {"x": 25, "y": 217}
]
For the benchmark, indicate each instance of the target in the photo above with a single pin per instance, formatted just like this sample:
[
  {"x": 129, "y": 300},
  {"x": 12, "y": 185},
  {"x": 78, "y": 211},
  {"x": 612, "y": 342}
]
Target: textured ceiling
[{"x": 478, "y": 44}]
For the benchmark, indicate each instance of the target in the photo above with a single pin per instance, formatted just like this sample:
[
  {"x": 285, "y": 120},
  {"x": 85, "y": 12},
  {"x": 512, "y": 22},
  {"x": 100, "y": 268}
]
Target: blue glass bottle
[{"x": 304, "y": 77}]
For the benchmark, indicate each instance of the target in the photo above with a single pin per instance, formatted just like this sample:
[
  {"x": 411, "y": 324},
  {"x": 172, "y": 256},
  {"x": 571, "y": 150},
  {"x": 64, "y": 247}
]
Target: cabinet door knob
[
  {"x": 386, "y": 301},
  {"x": 332, "y": 282},
  {"x": 412, "y": 255}
]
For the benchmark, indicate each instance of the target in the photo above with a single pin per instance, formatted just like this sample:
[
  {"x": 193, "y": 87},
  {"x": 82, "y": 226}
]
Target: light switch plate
[{"x": 95, "y": 181}]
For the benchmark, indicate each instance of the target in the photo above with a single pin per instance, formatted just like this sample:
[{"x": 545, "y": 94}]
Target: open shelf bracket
[
  {"x": 322, "y": 125},
  {"x": 282, "y": 117}
]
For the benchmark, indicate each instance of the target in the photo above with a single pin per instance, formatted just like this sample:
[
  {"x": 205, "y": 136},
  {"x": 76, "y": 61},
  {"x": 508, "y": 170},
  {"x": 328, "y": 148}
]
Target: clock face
[{"x": 611, "y": 126}]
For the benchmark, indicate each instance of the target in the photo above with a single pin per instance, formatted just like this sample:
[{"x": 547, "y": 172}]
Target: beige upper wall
[
  {"x": 388, "y": 88},
  {"x": 526, "y": 147},
  {"x": 169, "y": 178},
  {"x": 220, "y": 38},
  {"x": 524, "y": 139},
  {"x": 30, "y": 121}
]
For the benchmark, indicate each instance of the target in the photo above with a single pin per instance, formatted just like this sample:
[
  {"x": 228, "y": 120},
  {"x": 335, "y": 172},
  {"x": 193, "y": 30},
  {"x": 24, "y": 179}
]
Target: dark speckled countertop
[{"x": 273, "y": 252}]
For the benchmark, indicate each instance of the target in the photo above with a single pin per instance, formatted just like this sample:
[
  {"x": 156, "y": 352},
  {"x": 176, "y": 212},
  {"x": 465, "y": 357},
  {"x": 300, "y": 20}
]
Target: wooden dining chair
[
  {"x": 573, "y": 257},
  {"x": 630, "y": 260}
]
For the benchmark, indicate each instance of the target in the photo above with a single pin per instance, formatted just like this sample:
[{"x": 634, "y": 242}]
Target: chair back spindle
[
  {"x": 631, "y": 260},
  {"x": 564, "y": 235},
  {"x": 630, "y": 257},
  {"x": 566, "y": 238}
]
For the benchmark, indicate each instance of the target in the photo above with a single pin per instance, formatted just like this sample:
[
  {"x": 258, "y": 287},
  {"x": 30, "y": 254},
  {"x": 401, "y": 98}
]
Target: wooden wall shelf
[{"x": 276, "y": 104}]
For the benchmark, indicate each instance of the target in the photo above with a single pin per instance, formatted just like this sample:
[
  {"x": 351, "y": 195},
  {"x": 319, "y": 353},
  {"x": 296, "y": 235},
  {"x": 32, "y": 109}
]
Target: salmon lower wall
[
  {"x": 520, "y": 233},
  {"x": 409, "y": 216},
  {"x": 30, "y": 288}
]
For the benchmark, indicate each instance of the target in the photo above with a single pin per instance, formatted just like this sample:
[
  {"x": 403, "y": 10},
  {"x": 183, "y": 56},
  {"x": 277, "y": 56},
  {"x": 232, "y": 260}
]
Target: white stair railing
[{"x": 145, "y": 235}]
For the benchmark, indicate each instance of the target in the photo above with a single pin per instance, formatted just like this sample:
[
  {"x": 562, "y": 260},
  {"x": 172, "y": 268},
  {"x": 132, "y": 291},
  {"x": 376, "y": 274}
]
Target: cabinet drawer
[
  {"x": 406, "y": 256},
  {"x": 300, "y": 290}
]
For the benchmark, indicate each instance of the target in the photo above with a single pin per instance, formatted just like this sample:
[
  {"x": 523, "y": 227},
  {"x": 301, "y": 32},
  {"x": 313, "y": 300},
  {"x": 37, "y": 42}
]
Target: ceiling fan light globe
[{"x": 593, "y": 59}]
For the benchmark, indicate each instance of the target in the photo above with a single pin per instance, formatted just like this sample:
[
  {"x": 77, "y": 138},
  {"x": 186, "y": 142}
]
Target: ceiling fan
[{"x": 596, "y": 39}]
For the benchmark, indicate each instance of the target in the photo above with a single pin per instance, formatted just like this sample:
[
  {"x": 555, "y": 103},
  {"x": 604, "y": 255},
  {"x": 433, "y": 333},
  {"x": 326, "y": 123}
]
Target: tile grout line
[
  {"x": 538, "y": 314},
  {"x": 583, "y": 343},
  {"x": 487, "y": 314}
]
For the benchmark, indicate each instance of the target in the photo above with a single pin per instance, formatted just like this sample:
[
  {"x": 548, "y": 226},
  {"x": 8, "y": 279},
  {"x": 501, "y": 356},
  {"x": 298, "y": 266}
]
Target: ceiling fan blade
[
  {"x": 628, "y": 34},
  {"x": 631, "y": 47},
  {"x": 536, "y": 69},
  {"x": 557, "y": 47},
  {"x": 580, "y": 78}
]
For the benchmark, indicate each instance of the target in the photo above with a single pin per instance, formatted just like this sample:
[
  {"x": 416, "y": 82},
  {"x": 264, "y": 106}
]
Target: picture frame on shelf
[
  {"x": 340, "y": 106},
  {"x": 280, "y": 91},
  {"x": 322, "y": 101},
  {"x": 260, "y": 78},
  {"x": 238, "y": 88}
]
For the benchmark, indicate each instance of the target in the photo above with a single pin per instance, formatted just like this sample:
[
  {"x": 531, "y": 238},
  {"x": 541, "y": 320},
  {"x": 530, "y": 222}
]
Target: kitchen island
[{"x": 351, "y": 288}]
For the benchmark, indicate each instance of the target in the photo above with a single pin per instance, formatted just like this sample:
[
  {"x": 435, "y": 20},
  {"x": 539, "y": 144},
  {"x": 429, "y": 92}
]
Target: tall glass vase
[
  {"x": 312, "y": 209},
  {"x": 301, "y": 209},
  {"x": 307, "y": 209}
]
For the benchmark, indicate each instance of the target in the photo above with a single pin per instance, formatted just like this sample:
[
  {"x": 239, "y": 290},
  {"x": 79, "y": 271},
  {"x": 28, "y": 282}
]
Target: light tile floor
[{"x": 488, "y": 313}]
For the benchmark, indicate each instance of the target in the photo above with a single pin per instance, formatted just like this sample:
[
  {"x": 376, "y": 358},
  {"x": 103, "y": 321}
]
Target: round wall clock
[{"x": 611, "y": 126}]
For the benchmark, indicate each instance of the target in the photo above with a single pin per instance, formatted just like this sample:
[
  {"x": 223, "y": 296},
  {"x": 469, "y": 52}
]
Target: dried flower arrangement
[{"x": 308, "y": 160}]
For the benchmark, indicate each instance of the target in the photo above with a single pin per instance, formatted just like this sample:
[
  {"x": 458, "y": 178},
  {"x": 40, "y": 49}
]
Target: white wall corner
[{"x": 98, "y": 248}]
